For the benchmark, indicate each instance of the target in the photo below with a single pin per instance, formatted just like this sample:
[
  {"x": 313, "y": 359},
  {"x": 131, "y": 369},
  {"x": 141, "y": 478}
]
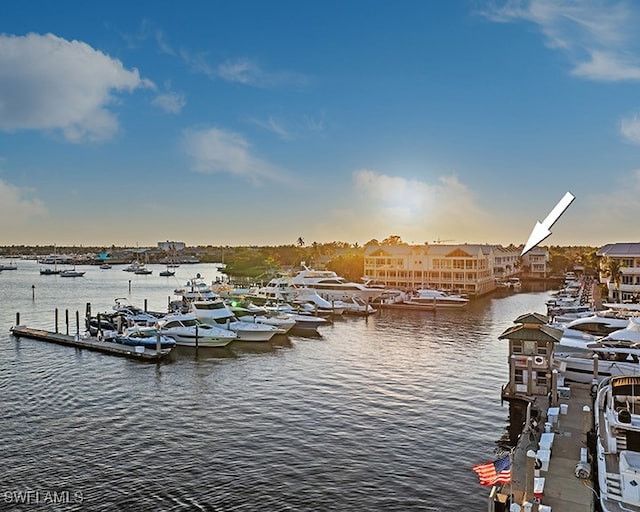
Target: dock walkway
[
  {"x": 90, "y": 343},
  {"x": 563, "y": 490}
]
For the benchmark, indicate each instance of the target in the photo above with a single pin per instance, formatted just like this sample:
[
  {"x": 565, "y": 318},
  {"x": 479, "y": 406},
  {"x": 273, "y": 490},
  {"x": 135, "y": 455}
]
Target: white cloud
[
  {"x": 598, "y": 37},
  {"x": 274, "y": 126},
  {"x": 170, "y": 102},
  {"x": 48, "y": 83},
  {"x": 247, "y": 72},
  {"x": 630, "y": 129},
  {"x": 215, "y": 150},
  {"x": 18, "y": 206},
  {"x": 419, "y": 210}
]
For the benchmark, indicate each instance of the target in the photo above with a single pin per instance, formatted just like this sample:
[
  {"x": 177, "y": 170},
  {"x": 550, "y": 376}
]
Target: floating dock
[
  {"x": 90, "y": 343},
  {"x": 560, "y": 445}
]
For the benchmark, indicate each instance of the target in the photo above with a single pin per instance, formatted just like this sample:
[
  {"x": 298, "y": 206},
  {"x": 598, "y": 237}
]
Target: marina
[{"x": 343, "y": 369}]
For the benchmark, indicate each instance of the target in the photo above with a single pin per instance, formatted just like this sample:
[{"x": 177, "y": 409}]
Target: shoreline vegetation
[{"x": 259, "y": 262}]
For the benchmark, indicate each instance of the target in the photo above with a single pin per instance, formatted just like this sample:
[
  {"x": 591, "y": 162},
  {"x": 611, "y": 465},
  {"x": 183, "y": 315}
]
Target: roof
[
  {"x": 538, "y": 333},
  {"x": 532, "y": 318},
  {"x": 620, "y": 249}
]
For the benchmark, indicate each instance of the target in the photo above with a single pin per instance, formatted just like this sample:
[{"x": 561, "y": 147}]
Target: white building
[
  {"x": 465, "y": 268},
  {"x": 628, "y": 254},
  {"x": 171, "y": 246},
  {"x": 536, "y": 262}
]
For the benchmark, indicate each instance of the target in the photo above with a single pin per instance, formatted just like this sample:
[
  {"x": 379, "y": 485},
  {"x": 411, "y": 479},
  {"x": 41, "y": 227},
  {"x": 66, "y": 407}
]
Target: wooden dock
[
  {"x": 558, "y": 487},
  {"x": 90, "y": 343}
]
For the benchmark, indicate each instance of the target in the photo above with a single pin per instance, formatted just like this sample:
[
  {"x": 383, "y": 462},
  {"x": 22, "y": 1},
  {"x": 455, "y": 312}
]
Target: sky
[{"x": 259, "y": 123}]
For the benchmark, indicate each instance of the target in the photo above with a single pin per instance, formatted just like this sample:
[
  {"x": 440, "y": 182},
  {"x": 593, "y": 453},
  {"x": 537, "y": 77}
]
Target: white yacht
[
  {"x": 430, "y": 299},
  {"x": 185, "y": 328},
  {"x": 617, "y": 425},
  {"x": 216, "y": 312},
  {"x": 330, "y": 286}
]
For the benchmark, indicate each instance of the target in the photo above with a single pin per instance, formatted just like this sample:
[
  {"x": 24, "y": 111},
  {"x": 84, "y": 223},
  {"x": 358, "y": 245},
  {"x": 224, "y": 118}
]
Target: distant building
[
  {"x": 628, "y": 254},
  {"x": 535, "y": 264},
  {"x": 506, "y": 261},
  {"x": 463, "y": 268},
  {"x": 171, "y": 246}
]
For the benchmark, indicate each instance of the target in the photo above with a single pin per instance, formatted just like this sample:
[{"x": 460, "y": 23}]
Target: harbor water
[{"x": 385, "y": 413}]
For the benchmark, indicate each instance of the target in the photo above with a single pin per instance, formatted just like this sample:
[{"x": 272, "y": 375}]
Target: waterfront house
[
  {"x": 535, "y": 264},
  {"x": 628, "y": 256}
]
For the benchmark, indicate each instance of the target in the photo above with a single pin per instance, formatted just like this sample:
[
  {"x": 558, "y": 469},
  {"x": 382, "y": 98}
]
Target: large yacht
[{"x": 331, "y": 286}]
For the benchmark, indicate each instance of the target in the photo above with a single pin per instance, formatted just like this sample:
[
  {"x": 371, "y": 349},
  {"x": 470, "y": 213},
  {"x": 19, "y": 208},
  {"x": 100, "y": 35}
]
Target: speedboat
[
  {"x": 617, "y": 425},
  {"x": 185, "y": 329},
  {"x": 147, "y": 337}
]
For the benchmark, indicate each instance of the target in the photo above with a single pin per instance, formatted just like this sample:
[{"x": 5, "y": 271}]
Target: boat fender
[
  {"x": 538, "y": 360},
  {"x": 583, "y": 470}
]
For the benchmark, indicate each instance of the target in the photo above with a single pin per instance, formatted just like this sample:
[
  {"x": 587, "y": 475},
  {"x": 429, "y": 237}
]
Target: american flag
[{"x": 496, "y": 472}]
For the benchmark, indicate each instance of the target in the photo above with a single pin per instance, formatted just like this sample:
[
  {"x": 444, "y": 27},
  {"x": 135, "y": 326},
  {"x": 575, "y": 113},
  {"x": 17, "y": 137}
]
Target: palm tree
[{"x": 613, "y": 270}]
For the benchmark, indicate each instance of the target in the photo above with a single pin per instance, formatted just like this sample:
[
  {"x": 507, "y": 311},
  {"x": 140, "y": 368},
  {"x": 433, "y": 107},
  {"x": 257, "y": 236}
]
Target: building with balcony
[
  {"x": 628, "y": 254},
  {"x": 464, "y": 268},
  {"x": 535, "y": 264}
]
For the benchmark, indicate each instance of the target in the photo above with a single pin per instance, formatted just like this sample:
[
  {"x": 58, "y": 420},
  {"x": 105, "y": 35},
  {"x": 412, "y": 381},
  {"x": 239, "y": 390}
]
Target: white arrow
[{"x": 542, "y": 229}]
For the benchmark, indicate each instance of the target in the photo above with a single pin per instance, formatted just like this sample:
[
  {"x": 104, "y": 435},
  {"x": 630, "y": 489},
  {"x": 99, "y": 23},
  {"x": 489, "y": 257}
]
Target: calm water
[{"x": 380, "y": 414}]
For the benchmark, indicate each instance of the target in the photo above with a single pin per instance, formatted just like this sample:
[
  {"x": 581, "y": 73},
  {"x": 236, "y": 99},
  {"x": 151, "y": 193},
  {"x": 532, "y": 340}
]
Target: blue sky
[{"x": 253, "y": 122}]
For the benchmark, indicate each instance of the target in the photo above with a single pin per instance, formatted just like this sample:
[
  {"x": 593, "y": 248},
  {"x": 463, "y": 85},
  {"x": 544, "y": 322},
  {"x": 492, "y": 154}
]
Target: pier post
[
  {"x": 87, "y": 312},
  {"x": 18, "y": 318},
  {"x": 586, "y": 419},
  {"x": 595, "y": 367},
  {"x": 529, "y": 380},
  {"x": 196, "y": 335},
  {"x": 77, "y": 325},
  {"x": 33, "y": 292},
  {"x": 145, "y": 305},
  {"x": 530, "y": 475},
  {"x": 99, "y": 331},
  {"x": 554, "y": 388},
  {"x": 66, "y": 320},
  {"x": 129, "y": 286},
  {"x": 56, "y": 321},
  {"x": 158, "y": 345}
]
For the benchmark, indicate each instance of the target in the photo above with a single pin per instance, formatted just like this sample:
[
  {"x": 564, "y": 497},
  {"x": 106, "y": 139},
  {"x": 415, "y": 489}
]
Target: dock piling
[
  {"x": 66, "y": 320},
  {"x": 77, "y": 324},
  {"x": 56, "y": 321},
  {"x": 17, "y": 318},
  {"x": 33, "y": 292}
]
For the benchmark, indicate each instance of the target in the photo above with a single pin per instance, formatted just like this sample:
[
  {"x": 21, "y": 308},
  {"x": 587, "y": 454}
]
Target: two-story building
[{"x": 628, "y": 255}]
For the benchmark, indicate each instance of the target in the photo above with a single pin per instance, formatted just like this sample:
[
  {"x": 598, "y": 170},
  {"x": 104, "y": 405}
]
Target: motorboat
[
  {"x": 9, "y": 266},
  {"x": 167, "y": 272},
  {"x": 278, "y": 289},
  {"x": 137, "y": 336},
  {"x": 142, "y": 270},
  {"x": 106, "y": 266},
  {"x": 216, "y": 312},
  {"x": 309, "y": 300},
  {"x": 133, "y": 314},
  {"x": 188, "y": 331},
  {"x": 305, "y": 323},
  {"x": 617, "y": 427},
  {"x": 330, "y": 286},
  {"x": 617, "y": 353},
  {"x": 356, "y": 306},
  {"x": 196, "y": 289},
  {"x": 284, "y": 322},
  {"x": 430, "y": 299},
  {"x": 71, "y": 273},
  {"x": 48, "y": 271}
]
